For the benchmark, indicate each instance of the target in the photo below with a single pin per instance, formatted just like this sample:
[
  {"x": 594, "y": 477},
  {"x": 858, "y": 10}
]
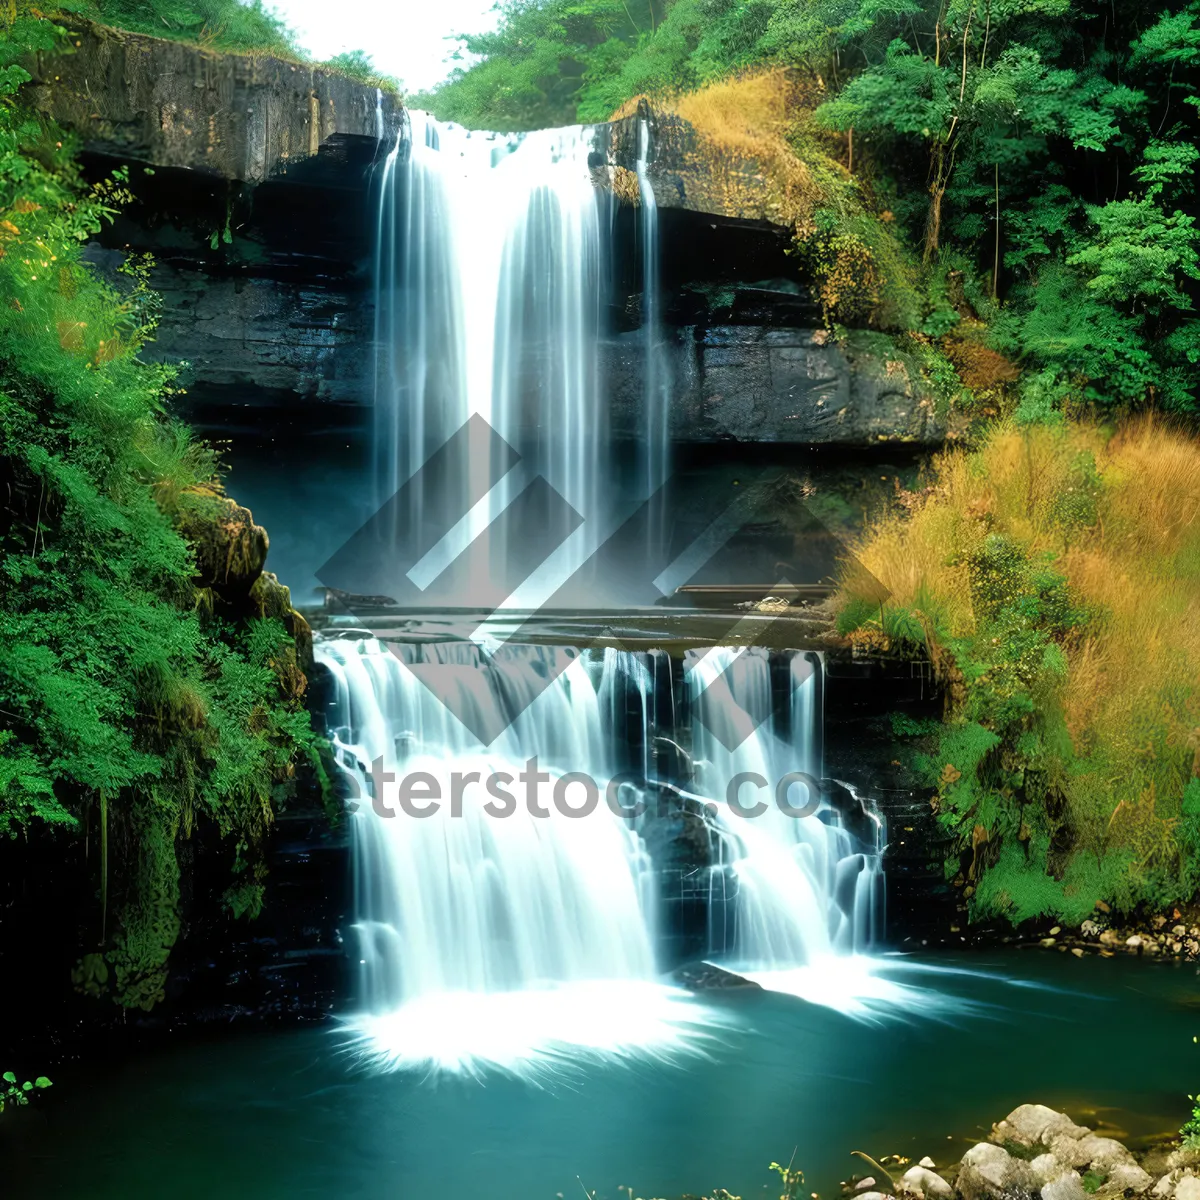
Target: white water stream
[
  {"x": 503, "y": 936},
  {"x": 487, "y": 933}
]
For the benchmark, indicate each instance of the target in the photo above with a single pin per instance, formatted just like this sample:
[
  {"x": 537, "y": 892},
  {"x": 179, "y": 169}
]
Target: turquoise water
[{"x": 285, "y": 1114}]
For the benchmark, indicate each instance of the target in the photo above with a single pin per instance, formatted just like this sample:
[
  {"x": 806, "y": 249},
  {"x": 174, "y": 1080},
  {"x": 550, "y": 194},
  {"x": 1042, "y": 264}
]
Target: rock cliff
[{"x": 238, "y": 116}]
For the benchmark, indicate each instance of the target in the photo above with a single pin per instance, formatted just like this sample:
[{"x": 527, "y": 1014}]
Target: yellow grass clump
[
  {"x": 1118, "y": 515},
  {"x": 744, "y": 161},
  {"x": 748, "y": 148}
]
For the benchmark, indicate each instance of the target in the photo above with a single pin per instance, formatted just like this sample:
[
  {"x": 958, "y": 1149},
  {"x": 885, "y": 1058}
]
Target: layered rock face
[
  {"x": 763, "y": 383},
  {"x": 236, "y": 116},
  {"x": 260, "y": 215}
]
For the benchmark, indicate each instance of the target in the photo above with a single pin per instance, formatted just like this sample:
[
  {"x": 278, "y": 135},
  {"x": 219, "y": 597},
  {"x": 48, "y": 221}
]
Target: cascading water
[
  {"x": 809, "y": 886},
  {"x": 657, "y": 382},
  {"x": 497, "y": 935},
  {"x": 490, "y": 934},
  {"x": 489, "y": 277},
  {"x": 805, "y": 890}
]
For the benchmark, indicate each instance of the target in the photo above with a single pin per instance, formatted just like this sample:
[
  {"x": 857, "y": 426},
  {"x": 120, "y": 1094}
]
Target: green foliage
[
  {"x": 357, "y": 64},
  {"x": 14, "y": 1094},
  {"x": 552, "y": 62},
  {"x": 238, "y": 25},
  {"x": 1048, "y": 148},
  {"x": 131, "y": 706}
]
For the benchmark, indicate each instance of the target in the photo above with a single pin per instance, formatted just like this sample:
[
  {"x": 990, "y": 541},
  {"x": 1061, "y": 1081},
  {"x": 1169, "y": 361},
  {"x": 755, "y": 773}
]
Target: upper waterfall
[{"x": 490, "y": 277}]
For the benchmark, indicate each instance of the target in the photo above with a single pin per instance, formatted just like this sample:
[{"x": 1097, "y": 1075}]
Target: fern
[{"x": 129, "y": 711}]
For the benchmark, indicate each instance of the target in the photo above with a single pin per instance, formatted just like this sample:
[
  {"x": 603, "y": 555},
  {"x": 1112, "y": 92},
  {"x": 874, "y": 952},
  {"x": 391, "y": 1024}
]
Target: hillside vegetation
[
  {"x": 1053, "y": 575},
  {"x": 1005, "y": 191},
  {"x": 135, "y": 706}
]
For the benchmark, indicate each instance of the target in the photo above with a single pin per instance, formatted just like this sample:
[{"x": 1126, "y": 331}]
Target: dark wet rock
[
  {"x": 704, "y": 977},
  {"x": 341, "y": 601},
  {"x": 752, "y": 383}
]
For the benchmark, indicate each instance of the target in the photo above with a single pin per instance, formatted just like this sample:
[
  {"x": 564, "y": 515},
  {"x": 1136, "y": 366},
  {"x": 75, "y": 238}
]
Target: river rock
[
  {"x": 1091, "y": 1151},
  {"x": 928, "y": 1162},
  {"x": 989, "y": 1172},
  {"x": 1068, "y": 1186},
  {"x": 1187, "y": 1188},
  {"x": 1045, "y": 1167},
  {"x": 1035, "y": 1125},
  {"x": 1125, "y": 1178},
  {"x": 925, "y": 1184}
]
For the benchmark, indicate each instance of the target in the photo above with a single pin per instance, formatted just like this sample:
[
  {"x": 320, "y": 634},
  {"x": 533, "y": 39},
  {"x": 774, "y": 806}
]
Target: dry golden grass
[
  {"x": 745, "y": 163},
  {"x": 1131, "y": 699},
  {"x": 748, "y": 147}
]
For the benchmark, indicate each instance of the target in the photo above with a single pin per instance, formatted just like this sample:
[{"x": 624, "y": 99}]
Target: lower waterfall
[
  {"x": 493, "y": 935},
  {"x": 809, "y": 889},
  {"x": 505, "y": 902}
]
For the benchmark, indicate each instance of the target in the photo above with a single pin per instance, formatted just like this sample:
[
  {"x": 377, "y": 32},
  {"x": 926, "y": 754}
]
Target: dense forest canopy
[{"x": 1051, "y": 143}]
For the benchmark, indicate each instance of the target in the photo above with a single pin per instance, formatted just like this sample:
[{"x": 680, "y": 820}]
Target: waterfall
[
  {"x": 489, "y": 285},
  {"x": 808, "y": 888},
  {"x": 656, "y": 426},
  {"x": 484, "y": 934},
  {"x": 493, "y": 925}
]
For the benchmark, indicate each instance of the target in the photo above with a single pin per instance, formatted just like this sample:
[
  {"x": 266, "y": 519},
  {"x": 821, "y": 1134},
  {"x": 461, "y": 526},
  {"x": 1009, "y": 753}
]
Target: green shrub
[{"x": 132, "y": 705}]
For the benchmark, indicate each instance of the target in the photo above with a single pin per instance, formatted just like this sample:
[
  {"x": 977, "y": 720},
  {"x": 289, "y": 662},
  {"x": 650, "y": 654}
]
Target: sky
[{"x": 405, "y": 38}]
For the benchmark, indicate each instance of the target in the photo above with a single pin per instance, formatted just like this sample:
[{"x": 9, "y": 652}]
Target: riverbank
[{"x": 1038, "y": 1151}]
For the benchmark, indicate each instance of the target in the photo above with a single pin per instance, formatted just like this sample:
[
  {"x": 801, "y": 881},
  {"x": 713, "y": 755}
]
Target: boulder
[
  {"x": 1068, "y": 1186},
  {"x": 925, "y": 1184},
  {"x": 989, "y": 1172},
  {"x": 1091, "y": 1151},
  {"x": 1035, "y": 1125},
  {"x": 230, "y": 549},
  {"x": 1045, "y": 1167},
  {"x": 1126, "y": 1177},
  {"x": 1187, "y": 1188}
]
